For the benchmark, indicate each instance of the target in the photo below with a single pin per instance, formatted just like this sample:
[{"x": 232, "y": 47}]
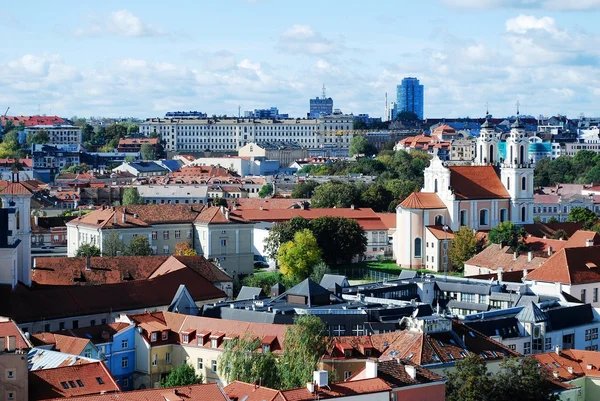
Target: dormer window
[
  {"x": 153, "y": 337},
  {"x": 214, "y": 343},
  {"x": 185, "y": 338},
  {"x": 348, "y": 353},
  {"x": 266, "y": 348},
  {"x": 165, "y": 335}
]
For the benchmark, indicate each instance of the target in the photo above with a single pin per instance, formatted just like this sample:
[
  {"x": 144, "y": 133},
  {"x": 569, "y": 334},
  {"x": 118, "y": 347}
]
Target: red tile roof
[
  {"x": 570, "y": 266},
  {"x": 29, "y": 121},
  {"x": 580, "y": 238},
  {"x": 79, "y": 380},
  {"x": 62, "y": 343},
  {"x": 199, "y": 264},
  {"x": 345, "y": 389},
  {"x": 15, "y": 188},
  {"x": 439, "y": 233},
  {"x": 393, "y": 372},
  {"x": 549, "y": 229},
  {"x": 583, "y": 363},
  {"x": 251, "y": 392},
  {"x": 26, "y": 304},
  {"x": 477, "y": 182},
  {"x": 219, "y": 215},
  {"x": 96, "y": 334},
  {"x": 8, "y": 328},
  {"x": 266, "y": 204},
  {"x": 495, "y": 256},
  {"x": 423, "y": 200},
  {"x": 388, "y": 219},
  {"x": 137, "y": 141},
  {"x": 196, "y": 392}
]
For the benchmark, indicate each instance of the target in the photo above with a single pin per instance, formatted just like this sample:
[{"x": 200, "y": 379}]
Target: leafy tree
[
  {"x": 552, "y": 220},
  {"x": 112, "y": 245},
  {"x": 339, "y": 238},
  {"x": 183, "y": 375},
  {"x": 463, "y": 247},
  {"x": 360, "y": 146},
  {"x": 469, "y": 382},
  {"x": 560, "y": 234},
  {"x": 184, "y": 249},
  {"x": 129, "y": 159},
  {"x": 132, "y": 197},
  {"x": 75, "y": 168},
  {"x": 220, "y": 202},
  {"x": 525, "y": 378},
  {"x": 147, "y": 152},
  {"x": 376, "y": 197},
  {"x": 581, "y": 214},
  {"x": 298, "y": 257},
  {"x": 508, "y": 233},
  {"x": 266, "y": 190},
  {"x": 593, "y": 174},
  {"x": 243, "y": 359},
  {"x": 87, "y": 250},
  {"x": 283, "y": 232},
  {"x": 305, "y": 341},
  {"x": 335, "y": 194},
  {"x": 304, "y": 189},
  {"x": 359, "y": 125},
  {"x": 407, "y": 116},
  {"x": 139, "y": 246},
  {"x": 319, "y": 271},
  {"x": 39, "y": 137}
]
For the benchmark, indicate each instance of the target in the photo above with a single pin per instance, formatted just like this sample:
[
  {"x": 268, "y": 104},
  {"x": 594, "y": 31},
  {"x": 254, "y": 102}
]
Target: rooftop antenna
[
  {"x": 487, "y": 109},
  {"x": 385, "y": 110},
  {"x": 324, "y": 97},
  {"x": 239, "y": 111}
]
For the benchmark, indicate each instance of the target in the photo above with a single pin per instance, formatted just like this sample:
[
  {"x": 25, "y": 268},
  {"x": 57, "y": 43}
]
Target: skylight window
[
  {"x": 99, "y": 380},
  {"x": 79, "y": 383},
  {"x": 64, "y": 385}
]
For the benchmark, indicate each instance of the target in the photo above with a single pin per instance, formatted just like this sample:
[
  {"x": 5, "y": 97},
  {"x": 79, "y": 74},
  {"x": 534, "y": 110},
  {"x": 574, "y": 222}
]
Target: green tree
[
  {"x": 335, "y": 194},
  {"x": 147, "y": 152},
  {"x": 360, "y": 146},
  {"x": 407, "y": 116},
  {"x": 139, "y": 246},
  {"x": 359, "y": 125},
  {"x": 376, "y": 197},
  {"x": 523, "y": 377},
  {"x": 593, "y": 175},
  {"x": 319, "y": 271},
  {"x": 469, "y": 382},
  {"x": 266, "y": 190},
  {"x": 39, "y": 137},
  {"x": 508, "y": 233},
  {"x": 463, "y": 247},
  {"x": 298, "y": 257},
  {"x": 87, "y": 250},
  {"x": 304, "y": 189},
  {"x": 283, "y": 232},
  {"x": 220, "y": 202},
  {"x": 183, "y": 375},
  {"x": 305, "y": 342},
  {"x": 560, "y": 234},
  {"x": 581, "y": 214},
  {"x": 112, "y": 245},
  {"x": 243, "y": 359},
  {"x": 339, "y": 238},
  {"x": 131, "y": 196},
  {"x": 552, "y": 220}
]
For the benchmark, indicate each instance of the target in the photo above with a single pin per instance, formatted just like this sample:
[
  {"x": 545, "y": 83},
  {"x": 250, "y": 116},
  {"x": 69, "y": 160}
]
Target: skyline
[{"x": 69, "y": 58}]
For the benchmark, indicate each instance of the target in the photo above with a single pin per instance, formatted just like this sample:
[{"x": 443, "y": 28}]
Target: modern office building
[
  {"x": 321, "y": 106},
  {"x": 272, "y": 112},
  {"x": 410, "y": 96}
]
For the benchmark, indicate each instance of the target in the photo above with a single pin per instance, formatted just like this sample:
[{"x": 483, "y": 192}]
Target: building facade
[
  {"x": 410, "y": 97},
  {"x": 61, "y": 134}
]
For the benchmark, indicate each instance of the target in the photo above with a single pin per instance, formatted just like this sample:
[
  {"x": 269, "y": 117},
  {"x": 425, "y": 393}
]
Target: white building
[
  {"x": 58, "y": 134},
  {"x": 230, "y": 134},
  {"x": 173, "y": 194}
]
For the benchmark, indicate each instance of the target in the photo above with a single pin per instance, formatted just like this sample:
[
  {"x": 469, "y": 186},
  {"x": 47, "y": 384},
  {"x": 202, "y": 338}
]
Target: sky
[{"x": 143, "y": 58}]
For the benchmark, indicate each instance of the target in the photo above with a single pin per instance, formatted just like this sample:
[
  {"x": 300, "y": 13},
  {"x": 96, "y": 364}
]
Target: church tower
[
  {"x": 516, "y": 173},
  {"x": 15, "y": 233},
  {"x": 486, "y": 147}
]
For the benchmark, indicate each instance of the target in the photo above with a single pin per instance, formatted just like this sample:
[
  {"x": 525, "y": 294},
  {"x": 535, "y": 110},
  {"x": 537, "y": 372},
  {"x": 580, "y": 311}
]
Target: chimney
[
  {"x": 570, "y": 369},
  {"x": 589, "y": 242},
  {"x": 36, "y": 220},
  {"x": 515, "y": 255},
  {"x": 114, "y": 218},
  {"x": 549, "y": 251},
  {"x": 223, "y": 209},
  {"x": 320, "y": 377},
  {"x": 310, "y": 386},
  {"x": 499, "y": 272},
  {"x": 352, "y": 206},
  {"x": 524, "y": 273},
  {"x": 371, "y": 368},
  {"x": 227, "y": 215},
  {"x": 555, "y": 374},
  {"x": 557, "y": 349},
  {"x": 529, "y": 256},
  {"x": 88, "y": 263},
  {"x": 411, "y": 371}
]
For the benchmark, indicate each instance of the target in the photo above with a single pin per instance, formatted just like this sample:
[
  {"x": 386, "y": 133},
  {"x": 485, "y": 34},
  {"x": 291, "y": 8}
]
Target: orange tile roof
[
  {"x": 496, "y": 256},
  {"x": 394, "y": 374},
  {"x": 345, "y": 389},
  {"x": 570, "y": 266},
  {"x": 196, "y": 392},
  {"x": 388, "y": 219},
  {"x": 251, "y": 392},
  {"x": 197, "y": 263},
  {"x": 218, "y": 215},
  {"x": 62, "y": 343},
  {"x": 477, "y": 182},
  {"x": 439, "y": 233},
  {"x": 8, "y": 328},
  {"x": 79, "y": 380},
  {"x": 265, "y": 204},
  {"x": 138, "y": 141},
  {"x": 583, "y": 363},
  {"x": 580, "y": 237},
  {"x": 423, "y": 200},
  {"x": 15, "y": 188}
]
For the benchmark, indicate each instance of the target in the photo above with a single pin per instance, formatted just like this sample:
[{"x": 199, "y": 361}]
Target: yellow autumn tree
[
  {"x": 298, "y": 257},
  {"x": 184, "y": 249}
]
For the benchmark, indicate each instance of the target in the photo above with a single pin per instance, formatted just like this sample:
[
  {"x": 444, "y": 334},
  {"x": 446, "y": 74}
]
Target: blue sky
[{"x": 143, "y": 58}]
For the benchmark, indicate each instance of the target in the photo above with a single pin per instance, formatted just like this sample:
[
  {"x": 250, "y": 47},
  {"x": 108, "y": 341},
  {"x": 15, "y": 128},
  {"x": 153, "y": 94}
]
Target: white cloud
[
  {"x": 524, "y": 23},
  {"x": 558, "y": 5},
  {"x": 304, "y": 39},
  {"x": 119, "y": 23}
]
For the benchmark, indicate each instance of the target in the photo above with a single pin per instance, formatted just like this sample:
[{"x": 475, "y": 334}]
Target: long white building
[
  {"x": 62, "y": 134},
  {"x": 230, "y": 134}
]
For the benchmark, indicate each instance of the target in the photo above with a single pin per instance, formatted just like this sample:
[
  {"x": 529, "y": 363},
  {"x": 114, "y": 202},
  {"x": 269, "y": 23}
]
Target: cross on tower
[{"x": 518, "y": 104}]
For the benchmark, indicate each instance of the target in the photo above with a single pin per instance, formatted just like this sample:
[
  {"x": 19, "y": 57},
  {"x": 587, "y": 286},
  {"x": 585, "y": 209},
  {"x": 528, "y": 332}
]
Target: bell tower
[
  {"x": 516, "y": 173},
  {"x": 486, "y": 147}
]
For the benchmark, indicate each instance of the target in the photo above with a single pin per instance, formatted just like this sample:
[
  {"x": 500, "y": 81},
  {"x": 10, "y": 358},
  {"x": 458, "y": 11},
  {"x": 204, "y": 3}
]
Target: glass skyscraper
[{"x": 410, "y": 97}]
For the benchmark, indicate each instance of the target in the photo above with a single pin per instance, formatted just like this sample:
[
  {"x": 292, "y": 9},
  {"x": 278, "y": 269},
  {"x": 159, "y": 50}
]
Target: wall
[
  {"x": 19, "y": 385},
  {"x": 427, "y": 392}
]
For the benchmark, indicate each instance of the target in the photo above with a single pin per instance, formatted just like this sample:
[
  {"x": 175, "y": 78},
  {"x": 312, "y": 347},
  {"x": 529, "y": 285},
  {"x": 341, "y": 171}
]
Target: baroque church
[{"x": 480, "y": 196}]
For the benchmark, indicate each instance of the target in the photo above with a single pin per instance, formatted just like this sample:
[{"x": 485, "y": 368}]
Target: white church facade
[{"x": 480, "y": 196}]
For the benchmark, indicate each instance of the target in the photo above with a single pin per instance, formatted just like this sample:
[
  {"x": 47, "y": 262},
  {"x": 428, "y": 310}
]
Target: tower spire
[{"x": 324, "y": 97}]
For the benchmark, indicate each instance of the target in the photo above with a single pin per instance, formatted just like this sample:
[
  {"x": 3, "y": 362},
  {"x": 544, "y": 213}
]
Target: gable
[{"x": 477, "y": 182}]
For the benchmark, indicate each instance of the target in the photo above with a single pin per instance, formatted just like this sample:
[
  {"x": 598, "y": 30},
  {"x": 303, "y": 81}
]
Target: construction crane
[{"x": 6, "y": 112}]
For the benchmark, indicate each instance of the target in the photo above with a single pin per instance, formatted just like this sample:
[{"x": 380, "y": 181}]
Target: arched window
[
  {"x": 439, "y": 220},
  {"x": 463, "y": 217},
  {"x": 491, "y": 153},
  {"x": 484, "y": 217},
  {"x": 522, "y": 154},
  {"x": 418, "y": 247},
  {"x": 511, "y": 154},
  {"x": 18, "y": 220},
  {"x": 524, "y": 183},
  {"x": 480, "y": 153},
  {"x": 523, "y": 214},
  {"x": 503, "y": 215},
  {"x": 508, "y": 183},
  {"x": 435, "y": 187}
]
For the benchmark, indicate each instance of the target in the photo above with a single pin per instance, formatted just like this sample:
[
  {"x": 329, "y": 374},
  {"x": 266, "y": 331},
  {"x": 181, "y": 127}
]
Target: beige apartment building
[
  {"x": 13, "y": 362},
  {"x": 212, "y": 231}
]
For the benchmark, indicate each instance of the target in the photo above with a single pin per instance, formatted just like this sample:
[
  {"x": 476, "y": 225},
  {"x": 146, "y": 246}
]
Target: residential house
[
  {"x": 284, "y": 152},
  {"x": 556, "y": 202},
  {"x": 425, "y": 143},
  {"x": 70, "y": 381},
  {"x": 374, "y": 389},
  {"x": 49, "y": 231},
  {"x": 66, "y": 344},
  {"x": 24, "y": 166},
  {"x": 58, "y": 134},
  {"x": 134, "y": 145},
  {"x": 14, "y": 345},
  {"x": 213, "y": 232},
  {"x": 173, "y": 194}
]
